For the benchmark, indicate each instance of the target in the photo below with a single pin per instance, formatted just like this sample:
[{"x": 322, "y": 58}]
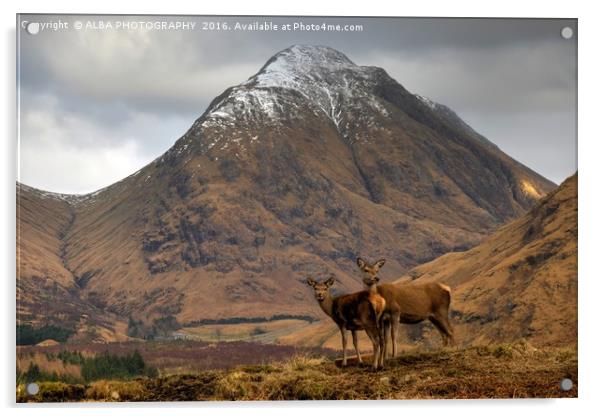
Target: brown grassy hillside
[
  {"x": 48, "y": 292},
  {"x": 521, "y": 282}
]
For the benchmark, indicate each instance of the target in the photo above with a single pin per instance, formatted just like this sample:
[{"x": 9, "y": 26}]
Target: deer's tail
[{"x": 446, "y": 294}]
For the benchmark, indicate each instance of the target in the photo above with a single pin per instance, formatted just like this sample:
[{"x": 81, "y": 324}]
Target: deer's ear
[
  {"x": 360, "y": 262},
  {"x": 311, "y": 282},
  {"x": 330, "y": 281},
  {"x": 380, "y": 263}
]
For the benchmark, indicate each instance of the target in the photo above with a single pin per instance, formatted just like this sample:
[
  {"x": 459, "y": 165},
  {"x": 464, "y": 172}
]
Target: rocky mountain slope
[
  {"x": 47, "y": 290},
  {"x": 520, "y": 283},
  {"x": 297, "y": 170}
]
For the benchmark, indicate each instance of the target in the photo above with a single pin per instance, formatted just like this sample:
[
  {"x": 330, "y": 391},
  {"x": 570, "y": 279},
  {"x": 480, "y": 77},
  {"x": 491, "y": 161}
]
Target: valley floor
[{"x": 502, "y": 371}]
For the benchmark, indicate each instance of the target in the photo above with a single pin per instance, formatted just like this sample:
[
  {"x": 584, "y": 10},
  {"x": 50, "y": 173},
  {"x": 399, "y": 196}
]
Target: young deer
[
  {"x": 409, "y": 303},
  {"x": 355, "y": 312}
]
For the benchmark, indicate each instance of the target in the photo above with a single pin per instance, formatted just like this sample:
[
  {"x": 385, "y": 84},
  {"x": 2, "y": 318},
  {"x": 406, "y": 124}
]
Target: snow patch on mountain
[
  {"x": 71, "y": 199},
  {"x": 428, "y": 102},
  {"x": 323, "y": 75},
  {"x": 300, "y": 77},
  {"x": 244, "y": 104}
]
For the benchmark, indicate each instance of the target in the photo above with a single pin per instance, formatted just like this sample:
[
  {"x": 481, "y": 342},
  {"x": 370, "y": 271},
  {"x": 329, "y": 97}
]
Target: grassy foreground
[{"x": 504, "y": 371}]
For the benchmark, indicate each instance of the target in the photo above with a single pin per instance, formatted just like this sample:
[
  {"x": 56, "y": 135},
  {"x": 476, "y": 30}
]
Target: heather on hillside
[{"x": 169, "y": 357}]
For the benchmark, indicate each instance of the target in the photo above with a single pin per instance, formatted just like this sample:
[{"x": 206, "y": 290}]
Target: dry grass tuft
[
  {"x": 301, "y": 362},
  {"x": 122, "y": 391}
]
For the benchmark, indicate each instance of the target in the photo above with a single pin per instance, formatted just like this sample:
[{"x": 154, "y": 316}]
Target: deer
[
  {"x": 355, "y": 312},
  {"x": 409, "y": 303}
]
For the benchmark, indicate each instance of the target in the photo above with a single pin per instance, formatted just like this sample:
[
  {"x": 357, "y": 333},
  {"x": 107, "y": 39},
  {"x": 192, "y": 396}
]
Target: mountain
[
  {"x": 47, "y": 292},
  {"x": 521, "y": 282},
  {"x": 308, "y": 163}
]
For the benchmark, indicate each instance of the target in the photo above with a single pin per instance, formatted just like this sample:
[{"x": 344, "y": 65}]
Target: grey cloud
[
  {"x": 70, "y": 152},
  {"x": 511, "y": 79}
]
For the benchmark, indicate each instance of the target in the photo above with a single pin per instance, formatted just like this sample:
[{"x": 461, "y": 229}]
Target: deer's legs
[
  {"x": 394, "y": 331},
  {"x": 384, "y": 331},
  {"x": 382, "y": 342},
  {"x": 355, "y": 345},
  {"x": 442, "y": 316},
  {"x": 449, "y": 330},
  {"x": 344, "y": 341},
  {"x": 445, "y": 329},
  {"x": 373, "y": 334}
]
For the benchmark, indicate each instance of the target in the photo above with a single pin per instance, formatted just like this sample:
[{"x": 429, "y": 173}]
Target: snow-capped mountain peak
[
  {"x": 319, "y": 73},
  {"x": 322, "y": 77},
  {"x": 298, "y": 64}
]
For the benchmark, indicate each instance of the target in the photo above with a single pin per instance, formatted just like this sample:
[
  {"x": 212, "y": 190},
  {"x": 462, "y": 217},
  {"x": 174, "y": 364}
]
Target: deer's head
[
  {"x": 370, "y": 271},
  {"x": 320, "y": 288}
]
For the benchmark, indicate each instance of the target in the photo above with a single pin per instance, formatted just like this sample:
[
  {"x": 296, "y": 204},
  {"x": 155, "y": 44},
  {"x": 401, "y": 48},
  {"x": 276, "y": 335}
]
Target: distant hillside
[
  {"x": 520, "y": 283},
  {"x": 48, "y": 293}
]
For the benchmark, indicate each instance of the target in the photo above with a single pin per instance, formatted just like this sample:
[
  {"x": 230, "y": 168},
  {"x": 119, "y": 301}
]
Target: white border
[{"x": 589, "y": 188}]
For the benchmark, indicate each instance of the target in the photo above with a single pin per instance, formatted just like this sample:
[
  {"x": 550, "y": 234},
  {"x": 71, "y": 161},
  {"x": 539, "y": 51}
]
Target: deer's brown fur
[
  {"x": 356, "y": 311},
  {"x": 410, "y": 303}
]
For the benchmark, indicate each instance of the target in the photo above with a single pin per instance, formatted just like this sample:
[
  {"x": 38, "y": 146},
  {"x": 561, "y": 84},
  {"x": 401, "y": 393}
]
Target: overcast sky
[{"x": 97, "y": 105}]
